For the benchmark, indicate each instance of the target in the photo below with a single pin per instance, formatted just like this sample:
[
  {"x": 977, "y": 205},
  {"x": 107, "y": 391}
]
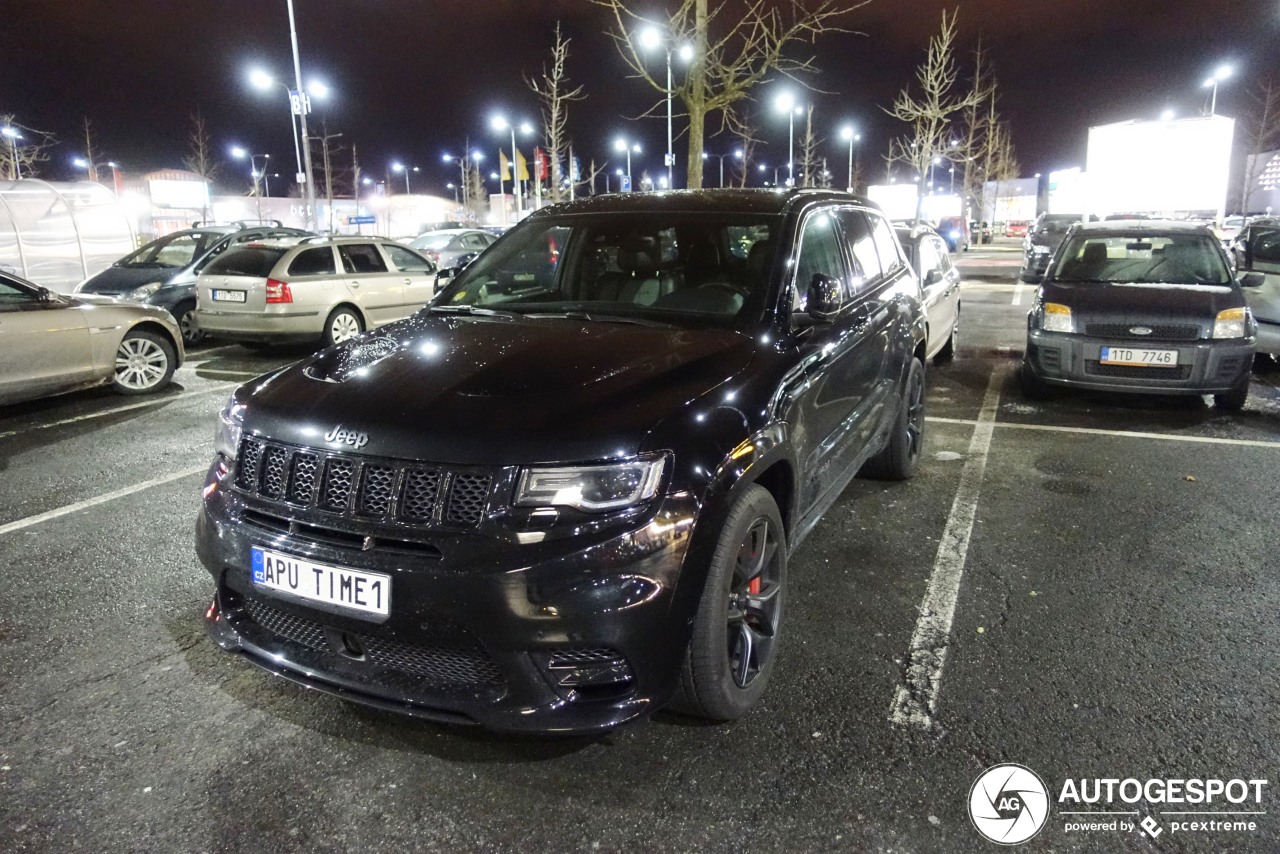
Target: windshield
[
  {"x": 432, "y": 241},
  {"x": 1058, "y": 222},
  {"x": 643, "y": 267},
  {"x": 1138, "y": 258},
  {"x": 176, "y": 250}
]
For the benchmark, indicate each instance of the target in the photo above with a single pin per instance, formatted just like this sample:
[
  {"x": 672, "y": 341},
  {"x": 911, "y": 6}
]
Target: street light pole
[{"x": 302, "y": 121}]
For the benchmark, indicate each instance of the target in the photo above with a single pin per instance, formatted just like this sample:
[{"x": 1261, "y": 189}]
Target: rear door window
[
  {"x": 360, "y": 258},
  {"x": 886, "y": 244},
  {"x": 861, "y": 241},
  {"x": 313, "y": 262}
]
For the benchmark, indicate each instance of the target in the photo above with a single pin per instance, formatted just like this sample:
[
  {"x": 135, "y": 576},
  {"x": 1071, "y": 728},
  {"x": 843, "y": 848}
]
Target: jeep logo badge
[{"x": 347, "y": 437}]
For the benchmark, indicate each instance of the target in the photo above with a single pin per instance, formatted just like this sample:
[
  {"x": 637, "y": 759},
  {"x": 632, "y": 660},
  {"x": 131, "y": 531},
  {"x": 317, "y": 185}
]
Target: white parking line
[
  {"x": 915, "y": 702},
  {"x": 1017, "y": 293},
  {"x": 19, "y": 524},
  {"x": 155, "y": 401},
  {"x": 1133, "y": 434},
  {"x": 216, "y": 372}
]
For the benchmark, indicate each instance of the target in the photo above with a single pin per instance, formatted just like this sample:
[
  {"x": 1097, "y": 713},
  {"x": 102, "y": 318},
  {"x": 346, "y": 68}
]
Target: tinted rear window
[{"x": 253, "y": 261}]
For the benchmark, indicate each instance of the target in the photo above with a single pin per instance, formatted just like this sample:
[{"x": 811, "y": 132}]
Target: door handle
[
  {"x": 354, "y": 284},
  {"x": 408, "y": 281}
]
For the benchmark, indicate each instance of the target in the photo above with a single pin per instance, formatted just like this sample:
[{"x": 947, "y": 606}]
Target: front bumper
[
  {"x": 571, "y": 635},
  {"x": 1204, "y": 367}
]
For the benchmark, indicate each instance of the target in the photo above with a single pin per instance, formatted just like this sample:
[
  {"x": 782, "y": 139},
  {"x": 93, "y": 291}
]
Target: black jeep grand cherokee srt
[{"x": 563, "y": 494}]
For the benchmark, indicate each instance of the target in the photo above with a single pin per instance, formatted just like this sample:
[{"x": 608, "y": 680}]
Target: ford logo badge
[{"x": 1140, "y": 330}]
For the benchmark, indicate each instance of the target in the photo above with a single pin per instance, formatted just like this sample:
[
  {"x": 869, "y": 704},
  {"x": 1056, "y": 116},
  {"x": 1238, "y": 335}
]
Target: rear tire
[
  {"x": 900, "y": 458},
  {"x": 735, "y": 632},
  {"x": 1234, "y": 400},
  {"x": 343, "y": 324},
  {"x": 948, "y": 352},
  {"x": 145, "y": 363}
]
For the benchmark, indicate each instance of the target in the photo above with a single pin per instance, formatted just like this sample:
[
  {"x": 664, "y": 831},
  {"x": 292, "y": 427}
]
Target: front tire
[
  {"x": 184, "y": 314},
  {"x": 1234, "y": 400},
  {"x": 735, "y": 632},
  {"x": 901, "y": 457},
  {"x": 343, "y": 324},
  {"x": 145, "y": 363}
]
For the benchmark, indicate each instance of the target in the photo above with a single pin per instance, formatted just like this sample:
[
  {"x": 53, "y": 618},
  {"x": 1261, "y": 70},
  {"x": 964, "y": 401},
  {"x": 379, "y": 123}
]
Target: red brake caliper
[{"x": 753, "y": 586}]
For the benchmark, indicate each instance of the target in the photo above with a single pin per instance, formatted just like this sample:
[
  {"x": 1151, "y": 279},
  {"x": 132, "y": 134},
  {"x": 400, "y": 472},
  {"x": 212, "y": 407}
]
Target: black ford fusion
[
  {"x": 564, "y": 493},
  {"x": 1141, "y": 306}
]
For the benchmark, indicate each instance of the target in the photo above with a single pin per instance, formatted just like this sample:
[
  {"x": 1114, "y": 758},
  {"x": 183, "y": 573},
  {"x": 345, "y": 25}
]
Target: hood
[
  {"x": 1133, "y": 303},
  {"x": 119, "y": 280},
  {"x": 496, "y": 391}
]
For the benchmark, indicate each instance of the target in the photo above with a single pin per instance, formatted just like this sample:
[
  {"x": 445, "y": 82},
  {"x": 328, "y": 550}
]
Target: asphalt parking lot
[{"x": 1085, "y": 586}]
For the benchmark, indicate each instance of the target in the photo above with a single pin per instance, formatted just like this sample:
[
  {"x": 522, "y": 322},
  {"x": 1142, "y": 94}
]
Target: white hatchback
[{"x": 319, "y": 288}]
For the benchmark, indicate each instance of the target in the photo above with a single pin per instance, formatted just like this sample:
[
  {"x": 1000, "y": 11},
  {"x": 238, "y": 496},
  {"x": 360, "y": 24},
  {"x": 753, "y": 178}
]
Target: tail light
[{"x": 278, "y": 291}]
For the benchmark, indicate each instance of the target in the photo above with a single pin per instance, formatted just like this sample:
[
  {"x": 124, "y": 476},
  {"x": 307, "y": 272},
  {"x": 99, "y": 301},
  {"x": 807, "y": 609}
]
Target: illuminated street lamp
[
  {"x": 500, "y": 123},
  {"x": 848, "y": 134},
  {"x": 721, "y": 157},
  {"x": 651, "y": 38},
  {"x": 14, "y": 136},
  {"x": 240, "y": 153},
  {"x": 400, "y": 167},
  {"x": 299, "y": 106},
  {"x": 1167, "y": 116},
  {"x": 786, "y": 102},
  {"x": 622, "y": 145},
  {"x": 1223, "y": 72}
]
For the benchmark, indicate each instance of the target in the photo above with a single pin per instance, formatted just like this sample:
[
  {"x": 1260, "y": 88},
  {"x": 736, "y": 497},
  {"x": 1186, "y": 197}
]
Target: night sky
[{"x": 412, "y": 79}]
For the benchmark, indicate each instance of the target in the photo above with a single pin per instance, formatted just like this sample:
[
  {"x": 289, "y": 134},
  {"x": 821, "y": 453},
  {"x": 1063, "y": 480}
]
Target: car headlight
[
  {"x": 1230, "y": 323},
  {"x": 144, "y": 291},
  {"x": 1055, "y": 317},
  {"x": 226, "y": 435},
  {"x": 591, "y": 488}
]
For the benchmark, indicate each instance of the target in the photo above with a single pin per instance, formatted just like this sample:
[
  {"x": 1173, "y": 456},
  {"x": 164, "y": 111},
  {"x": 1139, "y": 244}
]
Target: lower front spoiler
[{"x": 556, "y": 718}]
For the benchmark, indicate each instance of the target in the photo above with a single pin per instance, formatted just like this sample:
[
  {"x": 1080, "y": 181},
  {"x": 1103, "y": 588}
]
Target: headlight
[
  {"x": 591, "y": 488},
  {"x": 1055, "y": 317},
  {"x": 1229, "y": 324},
  {"x": 226, "y": 435},
  {"x": 144, "y": 291}
]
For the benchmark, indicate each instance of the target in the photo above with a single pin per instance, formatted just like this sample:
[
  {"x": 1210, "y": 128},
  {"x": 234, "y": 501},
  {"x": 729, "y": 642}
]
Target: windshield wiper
[
  {"x": 468, "y": 310},
  {"x": 601, "y": 318},
  {"x": 144, "y": 265}
]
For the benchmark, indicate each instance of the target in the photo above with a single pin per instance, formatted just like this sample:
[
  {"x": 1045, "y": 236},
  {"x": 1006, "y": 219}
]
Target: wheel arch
[{"x": 157, "y": 328}]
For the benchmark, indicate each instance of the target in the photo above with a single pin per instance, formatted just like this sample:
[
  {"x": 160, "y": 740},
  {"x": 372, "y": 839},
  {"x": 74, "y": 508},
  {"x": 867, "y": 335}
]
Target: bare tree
[
  {"x": 975, "y": 152},
  {"x": 746, "y": 136},
  {"x": 553, "y": 90},
  {"x": 931, "y": 112},
  {"x": 200, "y": 159},
  {"x": 327, "y": 152},
  {"x": 587, "y": 180},
  {"x": 1004, "y": 163},
  {"x": 734, "y": 46},
  {"x": 22, "y": 154},
  {"x": 1261, "y": 126},
  {"x": 809, "y": 153},
  {"x": 90, "y": 153}
]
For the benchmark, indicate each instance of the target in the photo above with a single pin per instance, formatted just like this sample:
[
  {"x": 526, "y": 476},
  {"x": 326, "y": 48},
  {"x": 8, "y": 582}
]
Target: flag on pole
[
  {"x": 504, "y": 165},
  {"x": 521, "y": 166}
]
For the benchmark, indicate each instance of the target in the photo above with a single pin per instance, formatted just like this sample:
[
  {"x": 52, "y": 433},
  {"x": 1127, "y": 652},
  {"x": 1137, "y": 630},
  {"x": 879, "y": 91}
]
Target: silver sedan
[{"x": 52, "y": 343}]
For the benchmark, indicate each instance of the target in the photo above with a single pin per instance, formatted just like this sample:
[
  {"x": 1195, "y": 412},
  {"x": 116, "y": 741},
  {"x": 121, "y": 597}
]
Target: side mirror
[
  {"x": 932, "y": 277},
  {"x": 1252, "y": 280},
  {"x": 446, "y": 274},
  {"x": 825, "y": 297}
]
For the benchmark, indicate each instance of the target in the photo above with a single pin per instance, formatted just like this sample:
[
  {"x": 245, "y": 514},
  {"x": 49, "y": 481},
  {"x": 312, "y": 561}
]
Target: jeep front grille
[{"x": 363, "y": 488}]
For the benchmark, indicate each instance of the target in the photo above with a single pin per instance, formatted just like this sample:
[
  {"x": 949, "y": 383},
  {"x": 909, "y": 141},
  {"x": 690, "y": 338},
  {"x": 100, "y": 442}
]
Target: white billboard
[{"x": 1163, "y": 167}]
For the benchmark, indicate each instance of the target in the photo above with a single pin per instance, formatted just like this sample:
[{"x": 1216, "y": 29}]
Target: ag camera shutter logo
[{"x": 1008, "y": 804}]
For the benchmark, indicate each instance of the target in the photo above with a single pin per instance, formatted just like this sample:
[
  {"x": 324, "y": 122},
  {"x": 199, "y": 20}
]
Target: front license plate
[
  {"x": 228, "y": 296},
  {"x": 1139, "y": 356},
  {"x": 369, "y": 592}
]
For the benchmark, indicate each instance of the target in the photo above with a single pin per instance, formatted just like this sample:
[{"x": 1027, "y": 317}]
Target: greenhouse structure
[{"x": 57, "y": 234}]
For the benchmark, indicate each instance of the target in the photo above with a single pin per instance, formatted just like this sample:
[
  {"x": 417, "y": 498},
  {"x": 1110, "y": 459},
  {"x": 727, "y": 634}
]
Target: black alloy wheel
[
  {"x": 901, "y": 456},
  {"x": 735, "y": 633}
]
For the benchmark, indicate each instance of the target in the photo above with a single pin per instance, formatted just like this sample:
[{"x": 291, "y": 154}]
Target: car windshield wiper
[
  {"x": 600, "y": 318},
  {"x": 468, "y": 310},
  {"x": 144, "y": 265}
]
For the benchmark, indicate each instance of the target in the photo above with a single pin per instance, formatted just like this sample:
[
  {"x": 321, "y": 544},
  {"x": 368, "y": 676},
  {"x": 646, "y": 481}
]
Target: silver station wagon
[{"x": 321, "y": 288}]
